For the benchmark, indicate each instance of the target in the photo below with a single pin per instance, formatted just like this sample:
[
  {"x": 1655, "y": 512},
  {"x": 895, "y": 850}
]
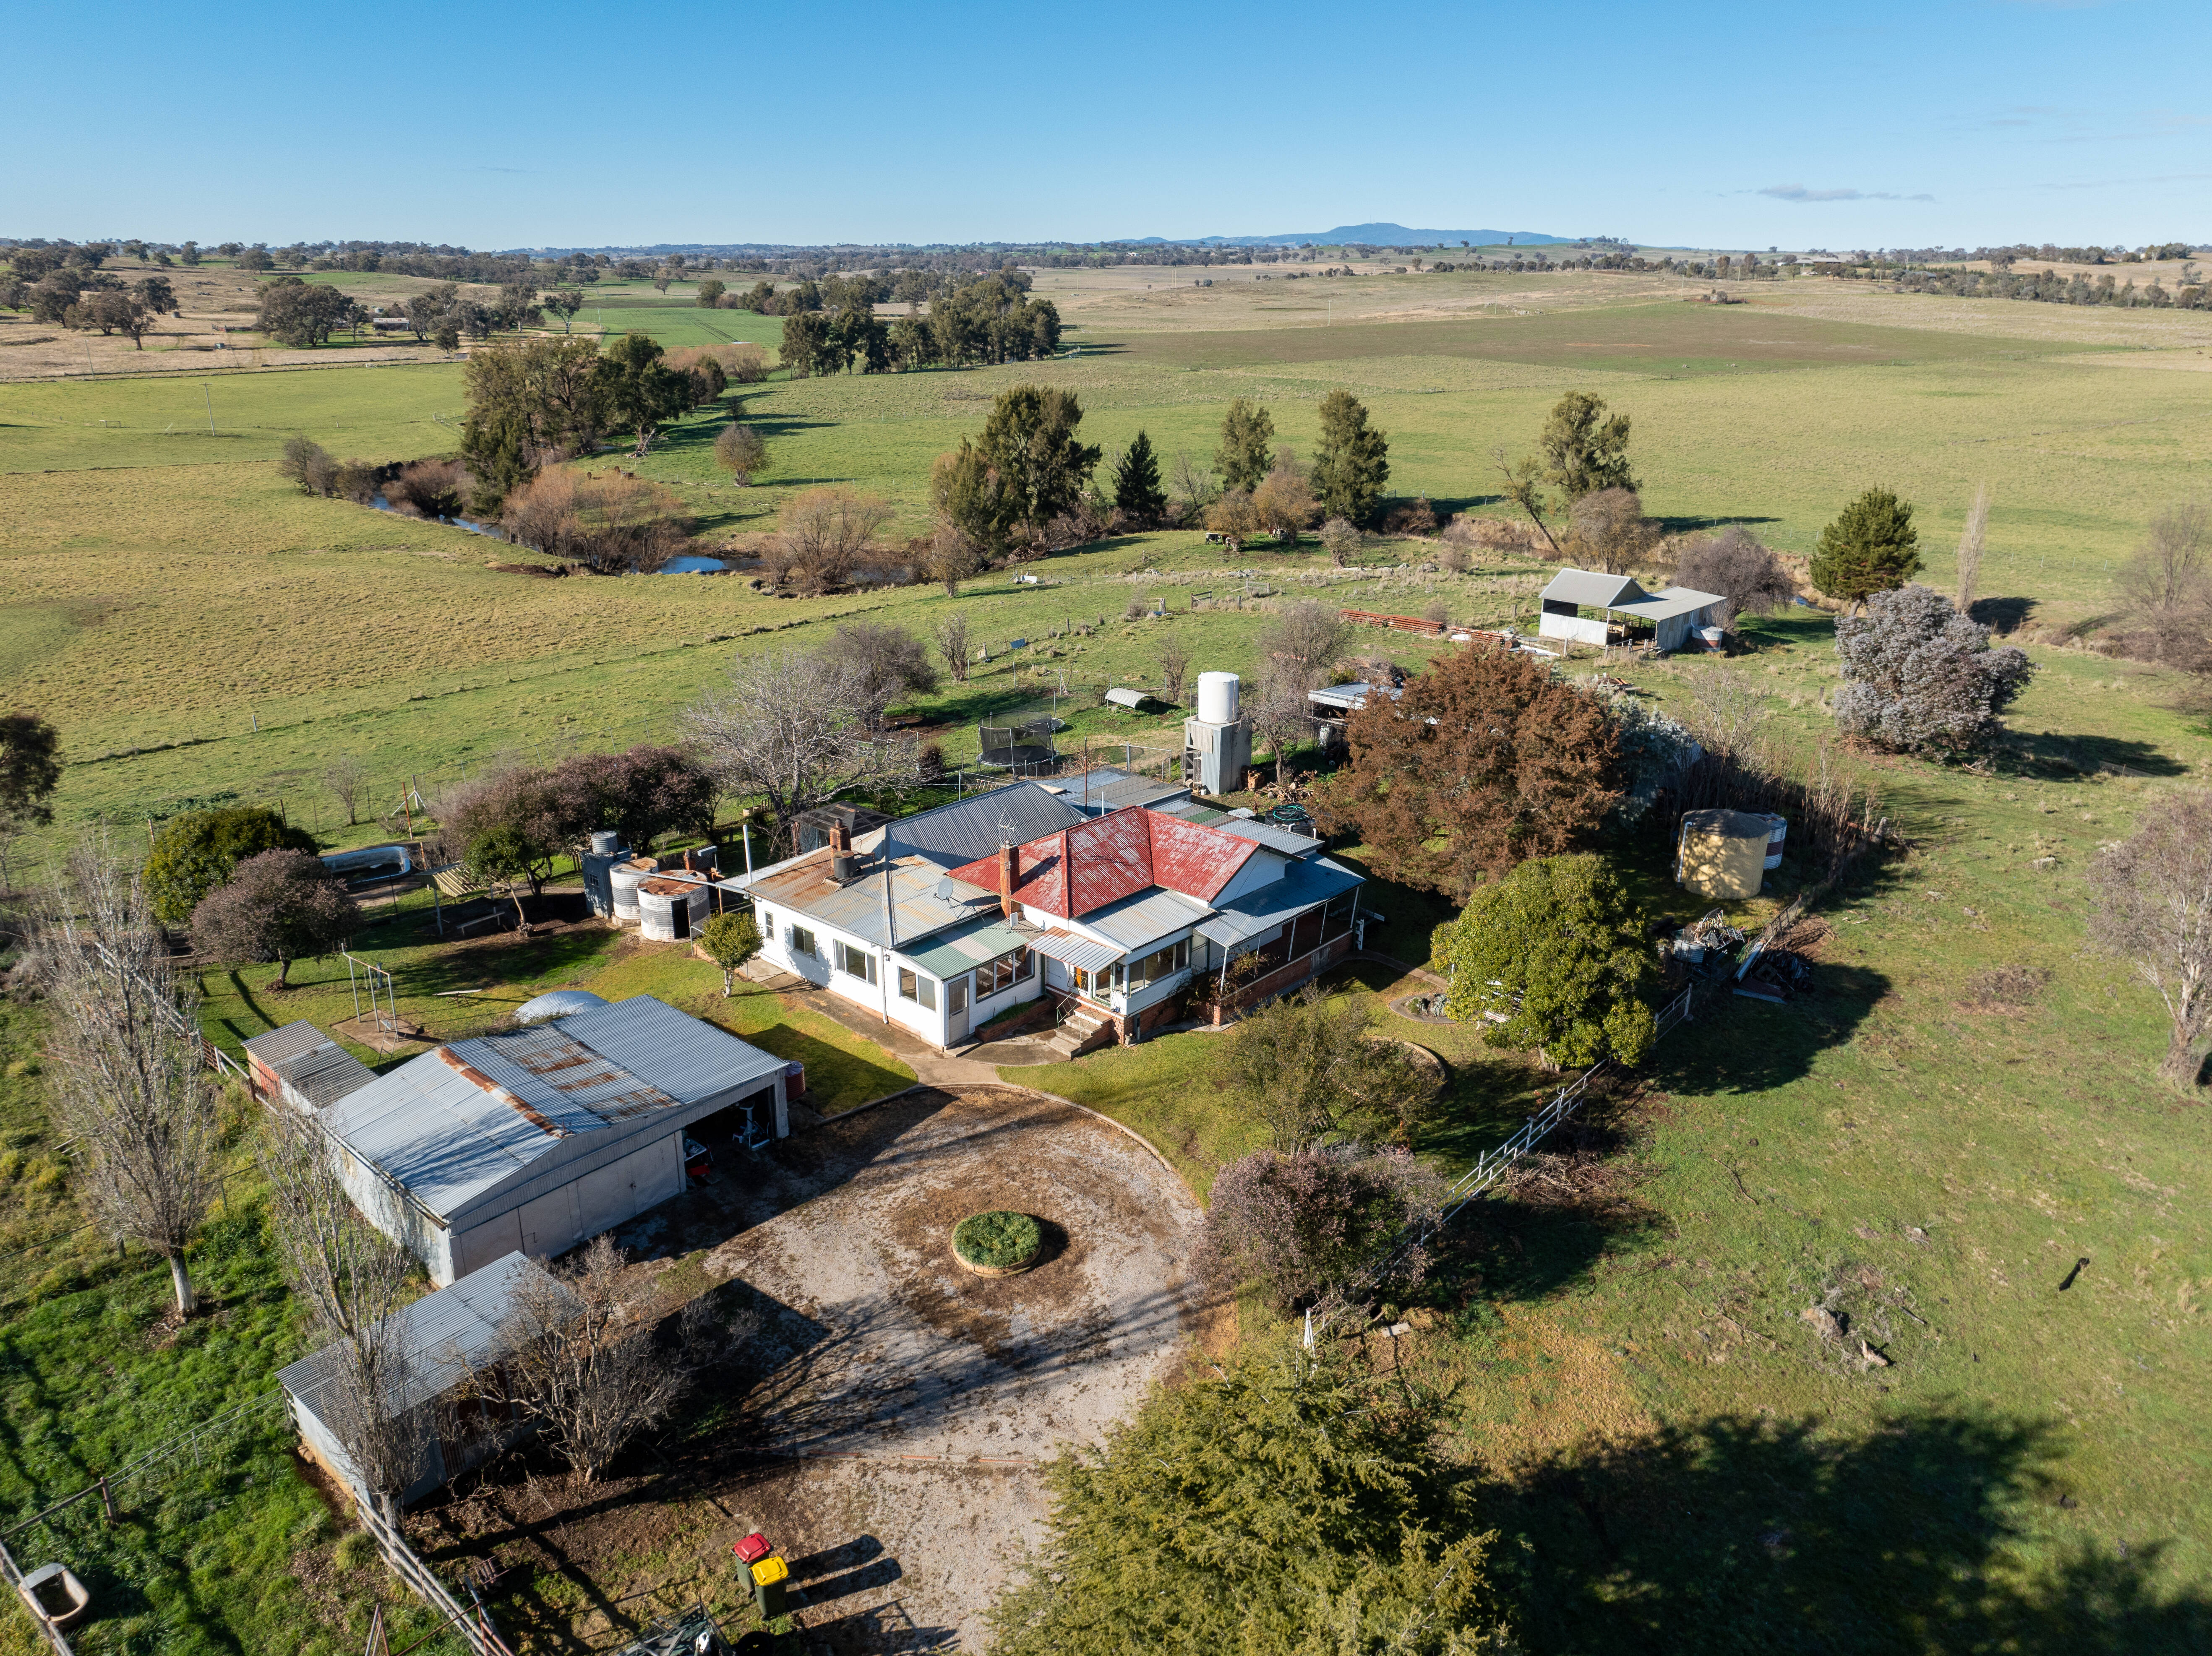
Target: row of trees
[
  {"x": 80, "y": 295},
  {"x": 987, "y": 321}
]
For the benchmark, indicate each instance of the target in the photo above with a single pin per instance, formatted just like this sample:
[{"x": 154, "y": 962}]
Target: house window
[
  {"x": 995, "y": 977},
  {"x": 856, "y": 963},
  {"x": 918, "y": 989},
  {"x": 1305, "y": 933},
  {"x": 767, "y": 922},
  {"x": 802, "y": 942},
  {"x": 1161, "y": 963},
  {"x": 956, "y": 993},
  {"x": 1337, "y": 919}
]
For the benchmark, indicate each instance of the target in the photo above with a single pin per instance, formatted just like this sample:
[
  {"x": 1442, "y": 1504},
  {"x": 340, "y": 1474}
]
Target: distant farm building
[
  {"x": 541, "y": 1139},
  {"x": 1587, "y": 607}
]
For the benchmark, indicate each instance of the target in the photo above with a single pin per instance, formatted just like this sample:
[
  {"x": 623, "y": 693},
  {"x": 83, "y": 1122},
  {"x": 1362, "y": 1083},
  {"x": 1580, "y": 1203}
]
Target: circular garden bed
[{"x": 998, "y": 1243}]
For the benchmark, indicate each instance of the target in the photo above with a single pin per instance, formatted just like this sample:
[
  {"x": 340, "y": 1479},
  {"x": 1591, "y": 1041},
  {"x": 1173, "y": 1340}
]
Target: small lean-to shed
[
  {"x": 448, "y": 1339},
  {"x": 1721, "y": 853},
  {"x": 301, "y": 1065}
]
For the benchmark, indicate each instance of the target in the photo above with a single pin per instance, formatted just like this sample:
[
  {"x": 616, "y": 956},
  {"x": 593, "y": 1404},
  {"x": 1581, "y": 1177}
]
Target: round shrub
[{"x": 998, "y": 1240}]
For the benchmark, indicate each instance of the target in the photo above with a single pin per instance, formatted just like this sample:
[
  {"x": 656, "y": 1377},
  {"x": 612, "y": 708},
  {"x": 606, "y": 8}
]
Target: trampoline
[{"x": 1017, "y": 739}]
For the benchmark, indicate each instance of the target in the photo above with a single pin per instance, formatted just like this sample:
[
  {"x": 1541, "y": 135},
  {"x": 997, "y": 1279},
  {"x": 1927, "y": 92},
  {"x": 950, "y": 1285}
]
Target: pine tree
[
  {"x": 1296, "y": 1504},
  {"x": 1246, "y": 452},
  {"x": 1137, "y": 488},
  {"x": 1872, "y": 547},
  {"x": 1351, "y": 465}
]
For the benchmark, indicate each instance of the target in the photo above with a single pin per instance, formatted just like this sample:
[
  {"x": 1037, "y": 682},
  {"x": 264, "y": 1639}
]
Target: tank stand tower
[{"x": 1217, "y": 745}]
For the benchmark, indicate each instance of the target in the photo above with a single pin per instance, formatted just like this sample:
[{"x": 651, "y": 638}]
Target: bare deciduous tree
[
  {"x": 2167, "y": 586},
  {"x": 953, "y": 557},
  {"x": 1970, "y": 547},
  {"x": 889, "y": 662},
  {"x": 583, "y": 1361},
  {"x": 1281, "y": 717},
  {"x": 347, "y": 779},
  {"x": 129, "y": 1086},
  {"x": 792, "y": 729},
  {"x": 2151, "y": 904},
  {"x": 1308, "y": 636},
  {"x": 1194, "y": 484},
  {"x": 951, "y": 632},
  {"x": 1174, "y": 667},
  {"x": 353, "y": 1278},
  {"x": 821, "y": 535},
  {"x": 1733, "y": 564}
]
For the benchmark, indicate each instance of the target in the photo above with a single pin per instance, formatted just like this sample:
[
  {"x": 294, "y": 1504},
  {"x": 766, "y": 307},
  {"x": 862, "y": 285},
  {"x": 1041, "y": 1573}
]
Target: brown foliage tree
[
  {"x": 1285, "y": 502},
  {"x": 608, "y": 522},
  {"x": 886, "y": 661},
  {"x": 1607, "y": 530},
  {"x": 1485, "y": 761},
  {"x": 280, "y": 906},
  {"x": 821, "y": 535}
]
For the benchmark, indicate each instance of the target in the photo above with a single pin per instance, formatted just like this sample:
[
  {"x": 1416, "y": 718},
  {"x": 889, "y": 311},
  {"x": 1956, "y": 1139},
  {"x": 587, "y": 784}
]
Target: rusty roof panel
[
  {"x": 1081, "y": 870},
  {"x": 1193, "y": 860}
]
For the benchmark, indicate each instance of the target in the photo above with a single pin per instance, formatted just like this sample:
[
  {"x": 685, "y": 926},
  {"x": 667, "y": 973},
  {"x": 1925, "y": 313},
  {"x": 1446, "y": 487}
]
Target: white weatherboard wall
[{"x": 1581, "y": 629}]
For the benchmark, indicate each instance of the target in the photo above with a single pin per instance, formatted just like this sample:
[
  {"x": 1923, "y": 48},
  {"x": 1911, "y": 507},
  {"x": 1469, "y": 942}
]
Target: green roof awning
[{"x": 964, "y": 948}]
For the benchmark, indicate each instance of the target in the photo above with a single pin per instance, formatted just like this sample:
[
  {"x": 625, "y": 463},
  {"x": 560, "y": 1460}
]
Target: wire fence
[{"x": 1489, "y": 1168}]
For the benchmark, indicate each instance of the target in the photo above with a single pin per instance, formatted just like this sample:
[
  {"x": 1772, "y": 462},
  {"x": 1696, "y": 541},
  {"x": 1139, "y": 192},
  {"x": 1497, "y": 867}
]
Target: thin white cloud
[{"x": 1800, "y": 193}]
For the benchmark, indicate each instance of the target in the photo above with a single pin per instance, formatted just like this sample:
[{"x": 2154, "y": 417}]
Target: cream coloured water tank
[
  {"x": 623, "y": 879},
  {"x": 1217, "y": 698}
]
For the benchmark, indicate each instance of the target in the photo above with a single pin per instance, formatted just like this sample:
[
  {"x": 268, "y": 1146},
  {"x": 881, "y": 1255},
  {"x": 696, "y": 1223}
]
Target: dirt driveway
[{"x": 889, "y": 1451}]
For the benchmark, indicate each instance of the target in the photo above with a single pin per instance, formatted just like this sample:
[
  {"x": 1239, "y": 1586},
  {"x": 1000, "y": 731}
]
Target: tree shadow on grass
[
  {"x": 1743, "y": 1534},
  {"x": 1733, "y": 1044},
  {"x": 2053, "y": 758}
]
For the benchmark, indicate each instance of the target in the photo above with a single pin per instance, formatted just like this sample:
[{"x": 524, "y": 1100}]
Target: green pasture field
[{"x": 1672, "y": 1448}]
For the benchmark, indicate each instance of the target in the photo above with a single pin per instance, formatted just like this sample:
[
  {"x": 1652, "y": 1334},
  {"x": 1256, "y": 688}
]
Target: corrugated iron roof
[
  {"x": 1081, "y": 870},
  {"x": 1271, "y": 835},
  {"x": 1146, "y": 918},
  {"x": 444, "y": 1335},
  {"x": 1666, "y": 605},
  {"x": 949, "y": 836},
  {"x": 291, "y": 1041},
  {"x": 1587, "y": 586},
  {"x": 325, "y": 1075},
  {"x": 963, "y": 949},
  {"x": 1259, "y": 913},
  {"x": 1077, "y": 954},
  {"x": 452, "y": 1126},
  {"x": 857, "y": 909}
]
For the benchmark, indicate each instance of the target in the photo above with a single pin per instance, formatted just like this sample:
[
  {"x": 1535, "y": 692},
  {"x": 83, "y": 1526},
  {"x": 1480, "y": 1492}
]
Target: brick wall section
[{"x": 1288, "y": 975}]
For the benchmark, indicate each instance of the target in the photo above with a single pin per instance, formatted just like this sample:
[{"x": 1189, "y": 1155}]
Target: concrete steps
[{"x": 1085, "y": 1031}]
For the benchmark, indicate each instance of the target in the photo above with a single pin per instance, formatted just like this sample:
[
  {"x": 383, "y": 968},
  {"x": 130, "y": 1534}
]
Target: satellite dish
[{"x": 945, "y": 889}]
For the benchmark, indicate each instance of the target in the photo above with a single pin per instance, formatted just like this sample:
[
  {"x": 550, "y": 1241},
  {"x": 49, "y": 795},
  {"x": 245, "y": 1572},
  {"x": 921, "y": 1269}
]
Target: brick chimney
[
  {"x": 841, "y": 837},
  {"x": 1007, "y": 882}
]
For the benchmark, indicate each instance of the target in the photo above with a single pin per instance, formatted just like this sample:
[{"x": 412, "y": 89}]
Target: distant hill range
[{"x": 1372, "y": 235}]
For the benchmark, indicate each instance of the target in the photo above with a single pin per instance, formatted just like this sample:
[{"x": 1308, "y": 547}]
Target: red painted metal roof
[{"x": 1115, "y": 857}]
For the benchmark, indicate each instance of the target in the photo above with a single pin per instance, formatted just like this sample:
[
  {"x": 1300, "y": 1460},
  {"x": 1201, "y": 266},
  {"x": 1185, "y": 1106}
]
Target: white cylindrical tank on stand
[
  {"x": 1778, "y": 830},
  {"x": 623, "y": 879},
  {"x": 1217, "y": 698},
  {"x": 671, "y": 910}
]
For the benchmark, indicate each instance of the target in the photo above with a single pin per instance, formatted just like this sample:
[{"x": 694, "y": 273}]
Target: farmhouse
[
  {"x": 443, "y": 1340},
  {"x": 1117, "y": 911},
  {"x": 1624, "y": 612},
  {"x": 540, "y": 1139}
]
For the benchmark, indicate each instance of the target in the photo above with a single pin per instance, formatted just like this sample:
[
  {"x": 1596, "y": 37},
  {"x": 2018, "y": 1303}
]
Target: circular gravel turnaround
[{"x": 998, "y": 1243}]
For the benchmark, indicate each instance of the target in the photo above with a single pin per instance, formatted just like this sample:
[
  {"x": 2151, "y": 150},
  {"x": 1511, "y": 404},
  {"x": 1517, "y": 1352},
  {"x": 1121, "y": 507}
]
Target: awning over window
[
  {"x": 963, "y": 949},
  {"x": 1077, "y": 954}
]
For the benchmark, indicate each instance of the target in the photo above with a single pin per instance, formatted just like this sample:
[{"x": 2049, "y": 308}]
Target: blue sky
[{"x": 1949, "y": 121}]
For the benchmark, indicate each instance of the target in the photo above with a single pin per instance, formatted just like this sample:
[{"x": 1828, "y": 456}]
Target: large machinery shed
[{"x": 541, "y": 1139}]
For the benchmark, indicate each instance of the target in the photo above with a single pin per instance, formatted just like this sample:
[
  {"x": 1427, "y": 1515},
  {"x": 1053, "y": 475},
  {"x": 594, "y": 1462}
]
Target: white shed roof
[
  {"x": 1666, "y": 605},
  {"x": 1598, "y": 591},
  {"x": 461, "y": 1121}
]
